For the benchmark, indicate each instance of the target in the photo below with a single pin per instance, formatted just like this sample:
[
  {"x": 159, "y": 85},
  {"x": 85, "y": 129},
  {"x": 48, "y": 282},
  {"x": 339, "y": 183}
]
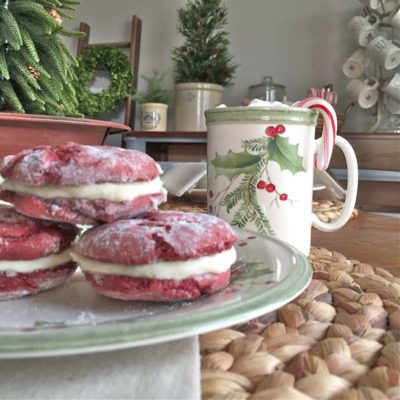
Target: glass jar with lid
[{"x": 268, "y": 90}]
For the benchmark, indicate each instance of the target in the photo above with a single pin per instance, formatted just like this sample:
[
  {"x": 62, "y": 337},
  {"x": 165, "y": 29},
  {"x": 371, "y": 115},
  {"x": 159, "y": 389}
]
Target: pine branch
[
  {"x": 51, "y": 58},
  {"x": 9, "y": 95},
  {"x": 21, "y": 67},
  {"x": 10, "y": 29},
  {"x": 67, "y": 33},
  {"x": 33, "y": 11},
  {"x": 4, "y": 72},
  {"x": 23, "y": 87},
  {"x": 47, "y": 85},
  {"x": 29, "y": 44}
]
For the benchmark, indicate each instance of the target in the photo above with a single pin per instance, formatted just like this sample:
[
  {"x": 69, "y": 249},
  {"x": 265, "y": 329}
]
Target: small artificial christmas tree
[
  {"x": 34, "y": 63},
  {"x": 204, "y": 57}
]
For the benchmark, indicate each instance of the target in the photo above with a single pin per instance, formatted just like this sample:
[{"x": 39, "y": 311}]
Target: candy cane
[{"x": 329, "y": 128}]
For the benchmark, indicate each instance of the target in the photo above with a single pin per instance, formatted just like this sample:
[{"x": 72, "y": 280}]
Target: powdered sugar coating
[
  {"x": 15, "y": 285},
  {"x": 82, "y": 211},
  {"x": 157, "y": 236},
  {"x": 77, "y": 164},
  {"x": 23, "y": 238},
  {"x": 163, "y": 290}
]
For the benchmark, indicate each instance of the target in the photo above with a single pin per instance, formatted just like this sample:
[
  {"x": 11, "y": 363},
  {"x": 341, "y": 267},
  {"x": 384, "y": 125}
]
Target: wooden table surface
[{"x": 370, "y": 238}]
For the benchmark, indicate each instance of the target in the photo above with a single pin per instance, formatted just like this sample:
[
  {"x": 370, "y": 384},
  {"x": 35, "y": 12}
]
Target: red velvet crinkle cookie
[
  {"x": 34, "y": 254},
  {"x": 161, "y": 256},
  {"x": 81, "y": 184}
]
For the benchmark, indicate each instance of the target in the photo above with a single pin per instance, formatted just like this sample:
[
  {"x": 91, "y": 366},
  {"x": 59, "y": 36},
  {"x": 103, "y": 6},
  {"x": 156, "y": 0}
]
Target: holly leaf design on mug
[
  {"x": 285, "y": 154},
  {"x": 248, "y": 176},
  {"x": 233, "y": 164}
]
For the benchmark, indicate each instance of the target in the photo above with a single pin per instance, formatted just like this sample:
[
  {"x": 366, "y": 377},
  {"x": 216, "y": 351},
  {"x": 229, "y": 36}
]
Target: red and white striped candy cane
[{"x": 329, "y": 128}]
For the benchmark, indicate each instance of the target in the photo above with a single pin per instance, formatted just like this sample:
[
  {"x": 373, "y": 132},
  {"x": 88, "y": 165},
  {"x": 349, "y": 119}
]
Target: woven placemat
[
  {"x": 340, "y": 339},
  {"x": 326, "y": 210}
]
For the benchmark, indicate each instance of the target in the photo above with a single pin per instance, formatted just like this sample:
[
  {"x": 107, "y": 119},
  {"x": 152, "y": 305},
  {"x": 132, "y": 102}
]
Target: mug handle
[{"x": 351, "y": 191}]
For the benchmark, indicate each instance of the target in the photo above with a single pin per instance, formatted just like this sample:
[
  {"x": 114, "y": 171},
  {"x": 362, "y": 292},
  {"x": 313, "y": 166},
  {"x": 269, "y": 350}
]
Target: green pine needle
[
  {"x": 28, "y": 42},
  {"x": 4, "y": 72},
  {"x": 23, "y": 87},
  {"x": 9, "y": 95},
  {"x": 10, "y": 29},
  {"x": 33, "y": 11}
]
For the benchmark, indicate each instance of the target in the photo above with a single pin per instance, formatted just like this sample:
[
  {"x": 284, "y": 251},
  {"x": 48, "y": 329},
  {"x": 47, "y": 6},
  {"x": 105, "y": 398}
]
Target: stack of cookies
[{"x": 131, "y": 251}]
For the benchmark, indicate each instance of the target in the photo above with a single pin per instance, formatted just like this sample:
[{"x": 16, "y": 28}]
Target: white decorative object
[
  {"x": 363, "y": 30},
  {"x": 376, "y": 64},
  {"x": 384, "y": 52},
  {"x": 192, "y": 99},
  {"x": 154, "y": 117},
  {"x": 364, "y": 93},
  {"x": 356, "y": 64}
]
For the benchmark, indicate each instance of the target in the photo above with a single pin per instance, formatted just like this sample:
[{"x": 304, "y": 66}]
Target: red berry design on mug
[
  {"x": 280, "y": 129},
  {"x": 210, "y": 193},
  {"x": 270, "y": 131},
  {"x": 261, "y": 185},
  {"x": 283, "y": 197},
  {"x": 270, "y": 188}
]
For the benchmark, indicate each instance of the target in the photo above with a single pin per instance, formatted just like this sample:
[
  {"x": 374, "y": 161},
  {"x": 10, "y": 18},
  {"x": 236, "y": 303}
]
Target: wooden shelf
[{"x": 168, "y": 134}]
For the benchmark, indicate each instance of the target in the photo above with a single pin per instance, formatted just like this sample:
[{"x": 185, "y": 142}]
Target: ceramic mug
[
  {"x": 392, "y": 88},
  {"x": 364, "y": 93},
  {"x": 362, "y": 30},
  {"x": 394, "y": 18},
  {"x": 372, "y": 4},
  {"x": 260, "y": 171},
  {"x": 356, "y": 64},
  {"x": 384, "y": 52}
]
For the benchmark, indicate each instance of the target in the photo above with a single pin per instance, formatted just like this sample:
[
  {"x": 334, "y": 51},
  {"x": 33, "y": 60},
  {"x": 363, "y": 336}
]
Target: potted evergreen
[
  {"x": 202, "y": 64},
  {"x": 37, "y": 98},
  {"x": 154, "y": 102}
]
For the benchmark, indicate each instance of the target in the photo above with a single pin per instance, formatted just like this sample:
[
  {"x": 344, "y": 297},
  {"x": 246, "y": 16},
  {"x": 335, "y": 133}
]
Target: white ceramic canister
[{"x": 191, "y": 100}]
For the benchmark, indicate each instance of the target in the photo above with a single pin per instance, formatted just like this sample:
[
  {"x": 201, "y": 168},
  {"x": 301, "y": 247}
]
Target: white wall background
[{"x": 300, "y": 43}]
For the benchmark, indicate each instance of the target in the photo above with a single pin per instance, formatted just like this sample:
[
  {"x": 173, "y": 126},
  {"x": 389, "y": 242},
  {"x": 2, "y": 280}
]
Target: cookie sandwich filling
[
  {"x": 99, "y": 191},
  {"x": 177, "y": 270},
  {"x": 42, "y": 263}
]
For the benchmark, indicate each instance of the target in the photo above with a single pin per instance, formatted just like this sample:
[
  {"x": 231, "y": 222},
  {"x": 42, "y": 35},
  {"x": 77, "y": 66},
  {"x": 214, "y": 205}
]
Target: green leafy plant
[
  {"x": 204, "y": 56},
  {"x": 102, "y": 58},
  {"x": 35, "y": 73},
  {"x": 155, "y": 91}
]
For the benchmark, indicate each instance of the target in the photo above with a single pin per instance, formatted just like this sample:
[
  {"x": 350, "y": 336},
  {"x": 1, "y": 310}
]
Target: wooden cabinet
[{"x": 378, "y": 156}]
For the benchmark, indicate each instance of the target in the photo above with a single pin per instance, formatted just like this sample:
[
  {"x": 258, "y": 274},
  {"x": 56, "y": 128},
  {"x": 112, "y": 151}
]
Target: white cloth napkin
[{"x": 165, "y": 371}]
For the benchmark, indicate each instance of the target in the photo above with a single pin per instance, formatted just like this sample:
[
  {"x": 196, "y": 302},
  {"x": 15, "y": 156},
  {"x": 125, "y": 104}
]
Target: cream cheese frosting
[
  {"x": 177, "y": 270},
  {"x": 101, "y": 191},
  {"x": 27, "y": 266}
]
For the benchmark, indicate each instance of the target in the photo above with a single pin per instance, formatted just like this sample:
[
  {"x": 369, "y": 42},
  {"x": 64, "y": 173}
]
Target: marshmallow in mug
[
  {"x": 384, "y": 52},
  {"x": 392, "y": 88},
  {"x": 364, "y": 93},
  {"x": 356, "y": 64},
  {"x": 362, "y": 30}
]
